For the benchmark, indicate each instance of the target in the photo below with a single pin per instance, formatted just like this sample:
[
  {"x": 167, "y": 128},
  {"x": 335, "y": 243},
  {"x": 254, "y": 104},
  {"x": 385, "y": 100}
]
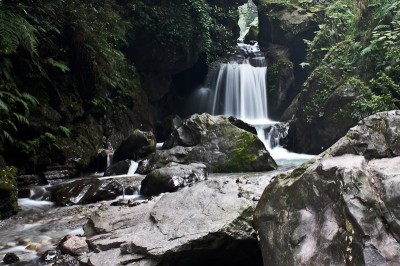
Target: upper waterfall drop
[{"x": 239, "y": 88}]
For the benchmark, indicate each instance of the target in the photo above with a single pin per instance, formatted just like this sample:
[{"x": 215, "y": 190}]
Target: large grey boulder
[
  {"x": 172, "y": 177},
  {"x": 216, "y": 142},
  {"x": 208, "y": 223},
  {"x": 341, "y": 208}
]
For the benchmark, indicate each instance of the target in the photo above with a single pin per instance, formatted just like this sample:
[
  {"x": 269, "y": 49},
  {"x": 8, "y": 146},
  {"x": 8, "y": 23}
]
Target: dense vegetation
[
  {"x": 357, "y": 47},
  {"x": 70, "y": 71}
]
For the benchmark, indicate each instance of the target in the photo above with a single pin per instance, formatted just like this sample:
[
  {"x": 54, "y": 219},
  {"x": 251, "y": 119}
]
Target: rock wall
[
  {"x": 283, "y": 26},
  {"x": 340, "y": 208}
]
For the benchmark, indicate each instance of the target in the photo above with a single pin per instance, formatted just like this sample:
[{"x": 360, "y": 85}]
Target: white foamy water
[
  {"x": 27, "y": 204},
  {"x": 239, "y": 89}
]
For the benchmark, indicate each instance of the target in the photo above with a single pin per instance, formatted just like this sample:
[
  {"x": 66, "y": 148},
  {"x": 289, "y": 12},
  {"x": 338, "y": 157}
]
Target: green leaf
[{"x": 59, "y": 64}]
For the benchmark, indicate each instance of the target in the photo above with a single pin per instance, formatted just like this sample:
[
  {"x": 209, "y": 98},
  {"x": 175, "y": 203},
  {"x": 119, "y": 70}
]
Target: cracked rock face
[
  {"x": 341, "y": 208},
  {"x": 208, "y": 223}
]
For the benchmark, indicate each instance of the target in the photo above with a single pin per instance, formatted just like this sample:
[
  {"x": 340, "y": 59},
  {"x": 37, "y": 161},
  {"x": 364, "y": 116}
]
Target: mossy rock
[
  {"x": 217, "y": 142},
  {"x": 8, "y": 192}
]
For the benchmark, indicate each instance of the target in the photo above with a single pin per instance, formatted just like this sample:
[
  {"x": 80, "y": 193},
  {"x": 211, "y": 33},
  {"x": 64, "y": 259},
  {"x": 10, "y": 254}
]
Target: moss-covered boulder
[
  {"x": 340, "y": 208},
  {"x": 8, "y": 192},
  {"x": 216, "y": 142}
]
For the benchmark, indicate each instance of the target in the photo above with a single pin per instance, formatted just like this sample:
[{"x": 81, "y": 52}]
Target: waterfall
[{"x": 239, "y": 89}]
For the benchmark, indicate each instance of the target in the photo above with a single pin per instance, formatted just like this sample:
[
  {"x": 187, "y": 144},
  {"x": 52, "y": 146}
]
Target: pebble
[
  {"x": 11, "y": 244},
  {"x": 33, "y": 247}
]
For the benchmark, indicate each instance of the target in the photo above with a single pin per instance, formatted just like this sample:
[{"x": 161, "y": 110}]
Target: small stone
[
  {"x": 10, "y": 258},
  {"x": 73, "y": 245},
  {"x": 134, "y": 203},
  {"x": 33, "y": 247}
]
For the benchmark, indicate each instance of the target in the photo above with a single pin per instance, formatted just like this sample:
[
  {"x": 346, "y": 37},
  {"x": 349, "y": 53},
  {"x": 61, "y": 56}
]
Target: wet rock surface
[
  {"x": 85, "y": 191},
  {"x": 10, "y": 258},
  {"x": 172, "y": 177},
  {"x": 208, "y": 222},
  {"x": 214, "y": 141},
  {"x": 340, "y": 208}
]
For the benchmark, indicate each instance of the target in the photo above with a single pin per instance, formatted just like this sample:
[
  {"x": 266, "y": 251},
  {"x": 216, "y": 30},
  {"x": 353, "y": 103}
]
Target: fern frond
[
  {"x": 59, "y": 64},
  {"x": 366, "y": 51},
  {"x": 3, "y": 106},
  {"x": 15, "y": 31},
  {"x": 22, "y": 119}
]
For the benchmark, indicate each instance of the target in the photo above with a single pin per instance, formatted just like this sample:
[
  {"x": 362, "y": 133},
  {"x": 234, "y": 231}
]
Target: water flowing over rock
[
  {"x": 340, "y": 208},
  {"x": 208, "y": 223},
  {"x": 214, "y": 141}
]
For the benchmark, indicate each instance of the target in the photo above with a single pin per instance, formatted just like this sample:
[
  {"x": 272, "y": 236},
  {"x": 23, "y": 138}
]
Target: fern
[
  {"x": 16, "y": 31},
  {"x": 60, "y": 65}
]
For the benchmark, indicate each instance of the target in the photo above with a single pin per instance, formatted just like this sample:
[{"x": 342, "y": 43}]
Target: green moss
[
  {"x": 318, "y": 87},
  {"x": 8, "y": 192},
  {"x": 241, "y": 157}
]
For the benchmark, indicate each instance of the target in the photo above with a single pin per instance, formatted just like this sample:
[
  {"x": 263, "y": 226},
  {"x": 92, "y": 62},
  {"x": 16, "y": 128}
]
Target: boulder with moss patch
[
  {"x": 216, "y": 142},
  {"x": 8, "y": 192},
  {"x": 341, "y": 208}
]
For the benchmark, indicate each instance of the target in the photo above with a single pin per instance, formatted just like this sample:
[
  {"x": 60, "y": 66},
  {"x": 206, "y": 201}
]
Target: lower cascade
[{"x": 239, "y": 88}]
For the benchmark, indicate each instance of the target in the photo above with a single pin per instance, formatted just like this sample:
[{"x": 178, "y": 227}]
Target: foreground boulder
[
  {"x": 216, "y": 142},
  {"x": 341, "y": 208},
  {"x": 208, "y": 223},
  {"x": 172, "y": 177}
]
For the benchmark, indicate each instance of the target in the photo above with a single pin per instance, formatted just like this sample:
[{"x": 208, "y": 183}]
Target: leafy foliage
[{"x": 364, "y": 45}]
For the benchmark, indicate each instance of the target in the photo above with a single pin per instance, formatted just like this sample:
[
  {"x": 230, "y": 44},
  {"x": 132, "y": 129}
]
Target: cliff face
[
  {"x": 321, "y": 73},
  {"x": 283, "y": 27}
]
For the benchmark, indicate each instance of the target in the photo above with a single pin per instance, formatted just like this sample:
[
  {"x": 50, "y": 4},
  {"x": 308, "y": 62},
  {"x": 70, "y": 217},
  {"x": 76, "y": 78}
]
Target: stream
[{"x": 40, "y": 225}]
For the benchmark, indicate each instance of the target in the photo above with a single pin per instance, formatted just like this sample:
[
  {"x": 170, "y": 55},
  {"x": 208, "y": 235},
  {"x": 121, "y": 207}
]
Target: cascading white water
[
  {"x": 239, "y": 89},
  {"x": 133, "y": 167},
  {"x": 108, "y": 160}
]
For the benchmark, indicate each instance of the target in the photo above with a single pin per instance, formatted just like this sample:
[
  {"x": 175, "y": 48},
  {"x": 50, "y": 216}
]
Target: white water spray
[{"x": 239, "y": 89}]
